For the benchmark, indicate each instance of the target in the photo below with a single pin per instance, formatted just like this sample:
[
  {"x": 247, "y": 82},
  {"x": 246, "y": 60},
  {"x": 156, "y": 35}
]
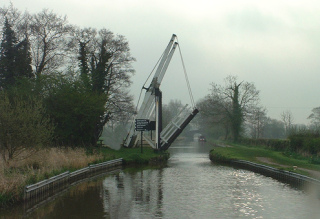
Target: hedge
[{"x": 276, "y": 144}]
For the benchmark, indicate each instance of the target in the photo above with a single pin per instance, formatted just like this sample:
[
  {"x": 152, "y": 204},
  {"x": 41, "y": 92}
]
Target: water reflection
[
  {"x": 202, "y": 191},
  {"x": 133, "y": 195},
  {"x": 189, "y": 187},
  {"x": 83, "y": 201},
  {"x": 192, "y": 187}
]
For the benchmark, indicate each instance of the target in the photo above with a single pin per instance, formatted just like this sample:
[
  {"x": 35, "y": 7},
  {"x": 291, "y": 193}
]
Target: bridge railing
[
  {"x": 174, "y": 124},
  {"x": 168, "y": 137}
]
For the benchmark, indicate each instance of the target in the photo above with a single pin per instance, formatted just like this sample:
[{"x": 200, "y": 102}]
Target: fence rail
[
  {"x": 284, "y": 175},
  {"x": 61, "y": 181}
]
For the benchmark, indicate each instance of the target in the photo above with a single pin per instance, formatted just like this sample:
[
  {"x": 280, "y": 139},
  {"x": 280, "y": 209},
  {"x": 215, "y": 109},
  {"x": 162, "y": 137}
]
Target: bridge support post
[
  {"x": 141, "y": 142},
  {"x": 158, "y": 103}
]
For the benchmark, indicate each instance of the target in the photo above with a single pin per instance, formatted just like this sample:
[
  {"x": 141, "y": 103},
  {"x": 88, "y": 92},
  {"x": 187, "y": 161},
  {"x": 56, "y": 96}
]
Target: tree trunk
[{"x": 236, "y": 114}]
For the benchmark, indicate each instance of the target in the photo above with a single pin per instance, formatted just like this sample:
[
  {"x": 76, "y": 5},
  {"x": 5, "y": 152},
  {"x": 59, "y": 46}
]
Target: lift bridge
[{"x": 149, "y": 117}]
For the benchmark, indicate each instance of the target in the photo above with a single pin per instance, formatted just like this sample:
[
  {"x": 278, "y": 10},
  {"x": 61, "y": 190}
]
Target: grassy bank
[
  {"x": 134, "y": 155},
  {"x": 16, "y": 174},
  {"x": 265, "y": 156}
]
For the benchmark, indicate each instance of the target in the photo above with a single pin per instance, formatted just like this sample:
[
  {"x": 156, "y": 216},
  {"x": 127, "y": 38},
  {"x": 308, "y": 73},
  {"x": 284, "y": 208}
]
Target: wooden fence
[{"x": 57, "y": 183}]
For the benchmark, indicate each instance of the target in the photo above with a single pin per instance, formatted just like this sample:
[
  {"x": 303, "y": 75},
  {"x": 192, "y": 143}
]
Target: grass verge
[
  {"x": 265, "y": 156},
  {"x": 134, "y": 155}
]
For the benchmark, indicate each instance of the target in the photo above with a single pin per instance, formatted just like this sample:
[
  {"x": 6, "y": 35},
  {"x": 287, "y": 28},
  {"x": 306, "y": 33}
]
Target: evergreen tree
[
  {"x": 23, "y": 57},
  {"x": 15, "y": 58},
  {"x": 84, "y": 69},
  {"x": 7, "y": 56}
]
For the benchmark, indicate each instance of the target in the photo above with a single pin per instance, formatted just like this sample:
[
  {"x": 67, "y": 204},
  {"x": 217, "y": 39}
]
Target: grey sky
[{"x": 274, "y": 44}]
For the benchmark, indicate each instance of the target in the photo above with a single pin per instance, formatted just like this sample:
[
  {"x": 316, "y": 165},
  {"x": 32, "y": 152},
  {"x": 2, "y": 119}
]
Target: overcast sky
[{"x": 274, "y": 44}]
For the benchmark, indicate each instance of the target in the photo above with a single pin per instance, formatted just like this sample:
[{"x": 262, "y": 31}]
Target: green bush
[
  {"x": 302, "y": 142},
  {"x": 218, "y": 157},
  {"x": 315, "y": 160},
  {"x": 23, "y": 124},
  {"x": 276, "y": 144},
  {"x": 6, "y": 200},
  {"x": 306, "y": 141}
]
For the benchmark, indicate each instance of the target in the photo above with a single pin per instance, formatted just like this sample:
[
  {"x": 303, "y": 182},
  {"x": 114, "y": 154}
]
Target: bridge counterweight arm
[
  {"x": 165, "y": 58},
  {"x": 151, "y": 100},
  {"x": 165, "y": 54},
  {"x": 165, "y": 67}
]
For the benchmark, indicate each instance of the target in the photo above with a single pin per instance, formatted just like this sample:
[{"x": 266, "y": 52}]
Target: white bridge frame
[{"x": 151, "y": 109}]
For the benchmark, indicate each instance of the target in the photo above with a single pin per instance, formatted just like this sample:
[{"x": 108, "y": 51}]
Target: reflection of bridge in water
[{"x": 137, "y": 192}]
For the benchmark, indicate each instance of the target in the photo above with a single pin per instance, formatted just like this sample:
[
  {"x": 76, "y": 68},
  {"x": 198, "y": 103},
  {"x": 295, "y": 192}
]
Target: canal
[{"x": 190, "y": 186}]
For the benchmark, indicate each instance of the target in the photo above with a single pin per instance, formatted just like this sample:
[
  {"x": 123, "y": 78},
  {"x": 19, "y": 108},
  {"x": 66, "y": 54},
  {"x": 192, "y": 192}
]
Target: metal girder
[
  {"x": 152, "y": 105},
  {"x": 176, "y": 130},
  {"x": 148, "y": 105}
]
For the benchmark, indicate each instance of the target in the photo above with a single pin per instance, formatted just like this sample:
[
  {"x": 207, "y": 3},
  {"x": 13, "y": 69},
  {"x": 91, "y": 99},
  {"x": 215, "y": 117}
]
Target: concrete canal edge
[
  {"x": 60, "y": 182},
  {"x": 51, "y": 186},
  {"x": 291, "y": 178}
]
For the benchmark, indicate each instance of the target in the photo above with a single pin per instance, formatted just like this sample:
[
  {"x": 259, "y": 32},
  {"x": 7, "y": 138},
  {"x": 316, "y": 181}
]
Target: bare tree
[
  {"x": 315, "y": 117},
  {"x": 287, "y": 119},
  {"x": 49, "y": 34},
  {"x": 18, "y": 20},
  {"x": 234, "y": 102},
  {"x": 257, "y": 121},
  {"x": 50, "y": 37}
]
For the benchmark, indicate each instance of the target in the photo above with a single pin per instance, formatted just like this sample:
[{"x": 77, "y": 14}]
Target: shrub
[
  {"x": 23, "y": 125},
  {"x": 276, "y": 144},
  {"x": 315, "y": 160},
  {"x": 306, "y": 141}
]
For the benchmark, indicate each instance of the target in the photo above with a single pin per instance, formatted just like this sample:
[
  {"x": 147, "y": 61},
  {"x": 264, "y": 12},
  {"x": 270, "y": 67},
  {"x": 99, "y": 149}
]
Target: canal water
[{"x": 190, "y": 186}]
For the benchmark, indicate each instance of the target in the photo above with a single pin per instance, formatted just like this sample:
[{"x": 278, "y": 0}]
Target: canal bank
[
  {"x": 15, "y": 179},
  {"x": 189, "y": 186},
  {"x": 263, "y": 161}
]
